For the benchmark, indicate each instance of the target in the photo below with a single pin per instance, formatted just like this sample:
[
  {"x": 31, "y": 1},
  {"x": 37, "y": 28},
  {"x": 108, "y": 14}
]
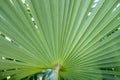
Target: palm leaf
[{"x": 78, "y": 38}]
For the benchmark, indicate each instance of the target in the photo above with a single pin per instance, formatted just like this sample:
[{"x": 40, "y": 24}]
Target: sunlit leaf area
[{"x": 59, "y": 39}]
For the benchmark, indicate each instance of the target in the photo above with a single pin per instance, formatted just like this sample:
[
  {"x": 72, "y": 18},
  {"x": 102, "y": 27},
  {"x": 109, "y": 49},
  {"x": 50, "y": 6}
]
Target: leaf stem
[{"x": 57, "y": 72}]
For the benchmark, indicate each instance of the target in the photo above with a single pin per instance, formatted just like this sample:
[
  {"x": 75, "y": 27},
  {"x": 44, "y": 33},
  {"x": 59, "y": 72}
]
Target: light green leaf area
[{"x": 81, "y": 37}]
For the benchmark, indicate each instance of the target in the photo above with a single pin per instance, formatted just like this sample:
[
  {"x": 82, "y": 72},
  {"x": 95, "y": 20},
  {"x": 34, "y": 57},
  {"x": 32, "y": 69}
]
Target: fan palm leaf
[{"x": 78, "y": 39}]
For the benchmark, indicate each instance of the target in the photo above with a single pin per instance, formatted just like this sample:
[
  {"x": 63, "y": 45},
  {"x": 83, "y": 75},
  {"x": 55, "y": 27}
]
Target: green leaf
[{"x": 81, "y": 36}]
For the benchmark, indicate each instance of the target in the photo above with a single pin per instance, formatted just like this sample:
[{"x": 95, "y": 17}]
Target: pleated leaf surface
[{"x": 81, "y": 36}]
